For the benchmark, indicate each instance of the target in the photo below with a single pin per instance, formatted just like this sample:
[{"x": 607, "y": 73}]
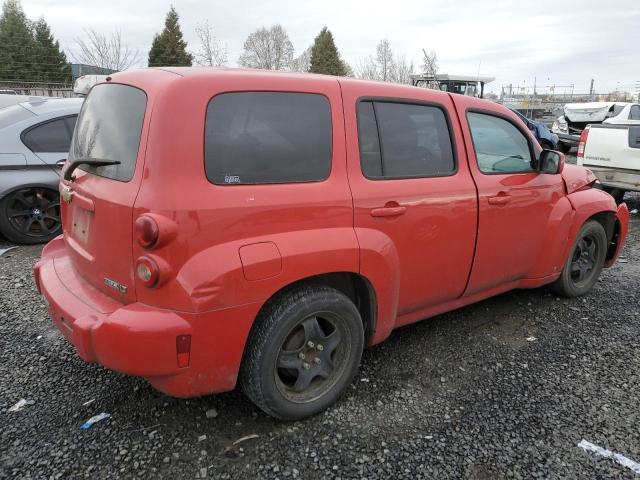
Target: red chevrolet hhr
[{"x": 263, "y": 227}]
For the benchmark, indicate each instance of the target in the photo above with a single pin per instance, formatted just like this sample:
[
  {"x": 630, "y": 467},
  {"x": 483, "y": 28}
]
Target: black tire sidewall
[
  {"x": 568, "y": 287},
  {"x": 314, "y": 301}
]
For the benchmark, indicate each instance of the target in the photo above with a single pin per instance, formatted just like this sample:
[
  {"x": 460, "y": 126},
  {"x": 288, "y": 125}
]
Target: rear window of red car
[
  {"x": 267, "y": 137},
  {"x": 109, "y": 128}
]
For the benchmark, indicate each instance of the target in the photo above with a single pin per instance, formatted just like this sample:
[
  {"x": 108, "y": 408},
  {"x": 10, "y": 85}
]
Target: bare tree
[
  {"x": 213, "y": 52},
  {"x": 106, "y": 51},
  {"x": 430, "y": 66},
  {"x": 367, "y": 68},
  {"x": 384, "y": 58},
  {"x": 302, "y": 63},
  {"x": 385, "y": 65},
  {"x": 402, "y": 70},
  {"x": 269, "y": 49}
]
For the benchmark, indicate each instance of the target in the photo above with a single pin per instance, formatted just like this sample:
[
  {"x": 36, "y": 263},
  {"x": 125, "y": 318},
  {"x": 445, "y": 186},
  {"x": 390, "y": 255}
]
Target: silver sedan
[{"x": 34, "y": 142}]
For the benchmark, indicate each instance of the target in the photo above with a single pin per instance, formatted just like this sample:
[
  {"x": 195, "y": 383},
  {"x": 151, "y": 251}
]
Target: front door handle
[
  {"x": 388, "y": 211},
  {"x": 499, "y": 199}
]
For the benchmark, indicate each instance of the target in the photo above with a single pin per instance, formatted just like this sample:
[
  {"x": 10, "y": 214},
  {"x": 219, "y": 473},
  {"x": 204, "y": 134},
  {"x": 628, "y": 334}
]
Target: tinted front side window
[
  {"x": 267, "y": 137},
  {"x": 499, "y": 145},
  {"x": 53, "y": 136},
  {"x": 414, "y": 140},
  {"x": 109, "y": 128}
]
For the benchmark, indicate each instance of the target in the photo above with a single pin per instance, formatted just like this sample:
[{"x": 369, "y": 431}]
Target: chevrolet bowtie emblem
[{"x": 66, "y": 194}]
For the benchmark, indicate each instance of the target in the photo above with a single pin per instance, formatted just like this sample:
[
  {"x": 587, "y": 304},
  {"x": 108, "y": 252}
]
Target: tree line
[{"x": 30, "y": 52}]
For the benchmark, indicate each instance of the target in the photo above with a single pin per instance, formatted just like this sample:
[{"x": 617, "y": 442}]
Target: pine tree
[
  {"x": 51, "y": 61},
  {"x": 17, "y": 45},
  {"x": 168, "y": 48},
  {"x": 325, "y": 57}
]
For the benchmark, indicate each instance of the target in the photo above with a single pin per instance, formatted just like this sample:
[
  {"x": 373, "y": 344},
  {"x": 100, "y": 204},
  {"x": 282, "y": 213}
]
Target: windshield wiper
[{"x": 96, "y": 162}]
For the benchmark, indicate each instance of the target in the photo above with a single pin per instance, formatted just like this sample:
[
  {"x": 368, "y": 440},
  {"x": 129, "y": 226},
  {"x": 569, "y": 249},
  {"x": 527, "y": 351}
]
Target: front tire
[
  {"x": 585, "y": 262},
  {"x": 303, "y": 352}
]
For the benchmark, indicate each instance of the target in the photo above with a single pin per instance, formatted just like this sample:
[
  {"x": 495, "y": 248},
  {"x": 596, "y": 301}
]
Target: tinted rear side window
[
  {"x": 411, "y": 140},
  {"x": 109, "y": 128},
  {"x": 52, "y": 136},
  {"x": 634, "y": 112},
  {"x": 267, "y": 137}
]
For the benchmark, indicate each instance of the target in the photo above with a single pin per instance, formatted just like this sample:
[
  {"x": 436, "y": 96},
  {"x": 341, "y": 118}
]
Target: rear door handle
[
  {"x": 499, "y": 200},
  {"x": 388, "y": 211}
]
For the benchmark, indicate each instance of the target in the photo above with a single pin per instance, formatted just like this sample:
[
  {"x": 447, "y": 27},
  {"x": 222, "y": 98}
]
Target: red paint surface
[{"x": 425, "y": 246}]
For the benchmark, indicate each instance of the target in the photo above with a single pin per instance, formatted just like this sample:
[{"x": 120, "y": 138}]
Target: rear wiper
[{"x": 96, "y": 162}]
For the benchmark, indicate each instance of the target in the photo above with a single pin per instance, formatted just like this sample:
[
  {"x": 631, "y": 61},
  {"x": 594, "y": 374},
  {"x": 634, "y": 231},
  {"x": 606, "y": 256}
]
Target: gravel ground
[{"x": 506, "y": 388}]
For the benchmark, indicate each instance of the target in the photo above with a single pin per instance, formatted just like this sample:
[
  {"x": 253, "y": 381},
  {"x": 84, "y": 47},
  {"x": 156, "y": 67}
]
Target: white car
[
  {"x": 34, "y": 142},
  {"x": 611, "y": 150},
  {"x": 577, "y": 116}
]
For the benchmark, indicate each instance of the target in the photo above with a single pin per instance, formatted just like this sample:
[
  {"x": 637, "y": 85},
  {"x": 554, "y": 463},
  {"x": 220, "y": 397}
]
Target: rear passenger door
[{"x": 414, "y": 199}]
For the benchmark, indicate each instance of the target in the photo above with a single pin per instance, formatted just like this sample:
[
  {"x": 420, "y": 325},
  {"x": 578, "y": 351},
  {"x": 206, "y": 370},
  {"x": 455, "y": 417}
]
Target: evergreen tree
[
  {"x": 168, "y": 48},
  {"x": 17, "y": 45},
  {"x": 325, "y": 57},
  {"x": 52, "y": 63}
]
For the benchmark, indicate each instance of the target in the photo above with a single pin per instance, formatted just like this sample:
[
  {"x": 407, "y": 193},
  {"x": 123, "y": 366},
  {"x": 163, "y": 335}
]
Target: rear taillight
[
  {"x": 183, "y": 350},
  {"x": 146, "y": 231},
  {"x": 582, "y": 142},
  {"x": 147, "y": 271}
]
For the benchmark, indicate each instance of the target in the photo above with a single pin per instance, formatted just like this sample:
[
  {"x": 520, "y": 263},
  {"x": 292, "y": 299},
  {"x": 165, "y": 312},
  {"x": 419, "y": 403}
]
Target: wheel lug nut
[
  {"x": 301, "y": 356},
  {"x": 310, "y": 344},
  {"x": 320, "y": 347},
  {"x": 317, "y": 361},
  {"x": 306, "y": 366}
]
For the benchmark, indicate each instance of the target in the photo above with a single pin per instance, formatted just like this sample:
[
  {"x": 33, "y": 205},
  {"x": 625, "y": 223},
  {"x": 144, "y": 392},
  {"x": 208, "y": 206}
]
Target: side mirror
[{"x": 551, "y": 162}]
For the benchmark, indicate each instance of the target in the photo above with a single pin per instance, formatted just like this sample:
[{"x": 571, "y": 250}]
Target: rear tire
[
  {"x": 585, "y": 262},
  {"x": 303, "y": 352},
  {"x": 30, "y": 215},
  {"x": 616, "y": 193}
]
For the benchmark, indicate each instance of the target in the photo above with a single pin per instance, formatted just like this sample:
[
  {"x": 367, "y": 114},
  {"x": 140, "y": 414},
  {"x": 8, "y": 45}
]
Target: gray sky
[{"x": 559, "y": 42}]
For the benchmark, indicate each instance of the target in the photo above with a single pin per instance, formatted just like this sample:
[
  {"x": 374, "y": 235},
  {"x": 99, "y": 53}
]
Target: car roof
[{"x": 44, "y": 106}]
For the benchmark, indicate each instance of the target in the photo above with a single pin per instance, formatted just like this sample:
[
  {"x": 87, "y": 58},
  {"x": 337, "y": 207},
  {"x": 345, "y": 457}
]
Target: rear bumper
[
  {"x": 616, "y": 178},
  {"x": 140, "y": 340}
]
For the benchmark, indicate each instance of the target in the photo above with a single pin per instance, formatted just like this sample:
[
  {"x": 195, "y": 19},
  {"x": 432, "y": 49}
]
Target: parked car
[
  {"x": 611, "y": 151},
  {"x": 34, "y": 141},
  {"x": 578, "y": 115},
  {"x": 546, "y": 138},
  {"x": 266, "y": 226}
]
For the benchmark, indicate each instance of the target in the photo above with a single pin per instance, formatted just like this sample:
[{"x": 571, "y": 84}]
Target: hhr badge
[
  {"x": 66, "y": 194},
  {"x": 113, "y": 284}
]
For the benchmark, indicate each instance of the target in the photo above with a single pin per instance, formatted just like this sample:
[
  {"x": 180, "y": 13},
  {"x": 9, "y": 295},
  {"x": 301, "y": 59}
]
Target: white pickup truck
[{"x": 611, "y": 150}]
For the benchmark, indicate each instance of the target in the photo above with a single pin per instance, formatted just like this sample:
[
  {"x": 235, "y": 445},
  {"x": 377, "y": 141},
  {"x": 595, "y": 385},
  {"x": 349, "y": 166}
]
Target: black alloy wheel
[
  {"x": 583, "y": 261},
  {"x": 30, "y": 215},
  {"x": 312, "y": 357}
]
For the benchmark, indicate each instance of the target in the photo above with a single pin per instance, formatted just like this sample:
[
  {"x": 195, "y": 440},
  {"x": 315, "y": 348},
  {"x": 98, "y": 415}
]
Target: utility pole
[{"x": 591, "y": 91}]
